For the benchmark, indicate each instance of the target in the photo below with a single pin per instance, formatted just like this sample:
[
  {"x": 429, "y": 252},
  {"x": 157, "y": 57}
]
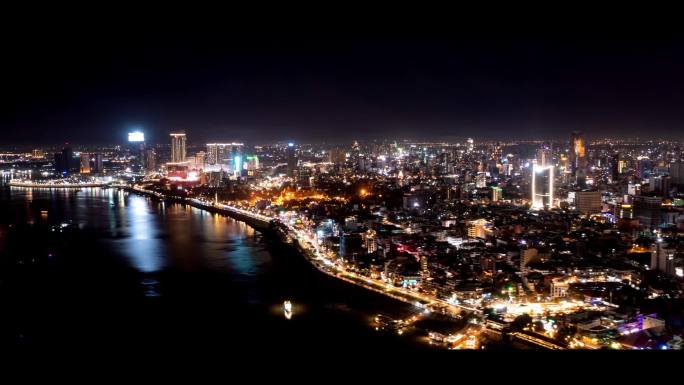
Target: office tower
[
  {"x": 177, "y": 147},
  {"x": 470, "y": 145},
  {"x": 648, "y": 209},
  {"x": 252, "y": 163},
  {"x": 136, "y": 146},
  {"x": 200, "y": 160},
  {"x": 660, "y": 184},
  {"x": 615, "y": 167},
  {"x": 291, "y": 159},
  {"x": 497, "y": 193},
  {"x": 588, "y": 202},
  {"x": 150, "y": 160},
  {"x": 304, "y": 177},
  {"x": 481, "y": 180},
  {"x": 478, "y": 228},
  {"x": 219, "y": 153},
  {"x": 677, "y": 173},
  {"x": 337, "y": 156},
  {"x": 542, "y": 187},
  {"x": 64, "y": 161},
  {"x": 85, "y": 163},
  {"x": 644, "y": 167},
  {"x": 497, "y": 152},
  {"x": 37, "y": 154},
  {"x": 96, "y": 165},
  {"x": 544, "y": 156},
  {"x": 237, "y": 160},
  {"x": 369, "y": 240},
  {"x": 662, "y": 257},
  {"x": 578, "y": 158}
]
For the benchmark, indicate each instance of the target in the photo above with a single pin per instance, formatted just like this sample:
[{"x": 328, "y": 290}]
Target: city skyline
[{"x": 208, "y": 187}]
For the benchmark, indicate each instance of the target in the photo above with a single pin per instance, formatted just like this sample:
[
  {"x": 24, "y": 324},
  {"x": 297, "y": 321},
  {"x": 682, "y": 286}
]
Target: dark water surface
[{"x": 143, "y": 275}]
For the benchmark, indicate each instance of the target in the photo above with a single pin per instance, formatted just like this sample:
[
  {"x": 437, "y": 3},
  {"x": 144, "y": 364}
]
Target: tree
[{"x": 521, "y": 321}]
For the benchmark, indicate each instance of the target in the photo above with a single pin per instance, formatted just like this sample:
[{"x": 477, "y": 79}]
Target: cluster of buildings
[{"x": 567, "y": 243}]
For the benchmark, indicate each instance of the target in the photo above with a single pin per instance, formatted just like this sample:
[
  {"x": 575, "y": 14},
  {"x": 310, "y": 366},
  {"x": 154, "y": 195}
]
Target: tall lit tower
[
  {"x": 542, "y": 187},
  {"x": 578, "y": 158},
  {"x": 544, "y": 155},
  {"x": 291, "y": 159},
  {"x": 177, "y": 147}
]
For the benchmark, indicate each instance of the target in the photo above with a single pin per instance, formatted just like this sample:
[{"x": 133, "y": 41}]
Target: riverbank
[
  {"x": 19, "y": 183},
  {"x": 270, "y": 227}
]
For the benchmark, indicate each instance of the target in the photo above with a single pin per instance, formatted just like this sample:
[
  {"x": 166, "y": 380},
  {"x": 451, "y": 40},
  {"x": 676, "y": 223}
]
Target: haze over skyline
[{"x": 265, "y": 87}]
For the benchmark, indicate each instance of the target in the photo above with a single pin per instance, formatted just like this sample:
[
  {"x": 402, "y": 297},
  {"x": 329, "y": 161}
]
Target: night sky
[{"x": 86, "y": 85}]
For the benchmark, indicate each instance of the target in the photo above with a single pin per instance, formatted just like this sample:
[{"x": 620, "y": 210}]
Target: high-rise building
[
  {"x": 337, "y": 156},
  {"x": 478, "y": 228},
  {"x": 85, "y": 163},
  {"x": 497, "y": 193},
  {"x": 219, "y": 153},
  {"x": 291, "y": 159},
  {"x": 542, "y": 187},
  {"x": 481, "y": 180},
  {"x": 622, "y": 166},
  {"x": 150, "y": 162},
  {"x": 38, "y": 154},
  {"x": 660, "y": 184},
  {"x": 64, "y": 161},
  {"x": 96, "y": 165},
  {"x": 588, "y": 202},
  {"x": 527, "y": 256},
  {"x": 544, "y": 156},
  {"x": 199, "y": 160},
  {"x": 369, "y": 240},
  {"x": 470, "y": 145},
  {"x": 178, "y": 147},
  {"x": 578, "y": 158},
  {"x": 677, "y": 173},
  {"x": 648, "y": 210},
  {"x": 644, "y": 166},
  {"x": 304, "y": 177},
  {"x": 662, "y": 257}
]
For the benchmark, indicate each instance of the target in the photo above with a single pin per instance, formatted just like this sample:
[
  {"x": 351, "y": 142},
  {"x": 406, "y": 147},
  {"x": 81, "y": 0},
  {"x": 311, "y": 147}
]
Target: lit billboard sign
[{"x": 136, "y": 136}]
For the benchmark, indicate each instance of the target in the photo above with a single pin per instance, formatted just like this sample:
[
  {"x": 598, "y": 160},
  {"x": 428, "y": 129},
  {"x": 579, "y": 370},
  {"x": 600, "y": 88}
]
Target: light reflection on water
[
  {"x": 142, "y": 247},
  {"x": 207, "y": 268}
]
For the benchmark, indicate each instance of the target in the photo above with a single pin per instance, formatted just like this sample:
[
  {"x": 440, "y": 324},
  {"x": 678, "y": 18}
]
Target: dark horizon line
[{"x": 436, "y": 140}]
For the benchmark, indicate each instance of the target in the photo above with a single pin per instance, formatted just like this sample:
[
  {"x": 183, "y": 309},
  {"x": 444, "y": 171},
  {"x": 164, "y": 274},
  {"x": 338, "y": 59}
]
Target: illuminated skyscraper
[
  {"x": 97, "y": 166},
  {"x": 369, "y": 240},
  {"x": 291, "y": 159},
  {"x": 471, "y": 145},
  {"x": 542, "y": 187},
  {"x": 481, "y": 180},
  {"x": 544, "y": 156},
  {"x": 150, "y": 160},
  {"x": 85, "y": 163},
  {"x": 64, "y": 161},
  {"x": 578, "y": 157},
  {"x": 177, "y": 147},
  {"x": 218, "y": 153},
  {"x": 497, "y": 193}
]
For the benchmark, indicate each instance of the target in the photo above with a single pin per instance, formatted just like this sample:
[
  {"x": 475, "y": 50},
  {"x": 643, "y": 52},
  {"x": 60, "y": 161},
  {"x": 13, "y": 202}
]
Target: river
[{"x": 152, "y": 275}]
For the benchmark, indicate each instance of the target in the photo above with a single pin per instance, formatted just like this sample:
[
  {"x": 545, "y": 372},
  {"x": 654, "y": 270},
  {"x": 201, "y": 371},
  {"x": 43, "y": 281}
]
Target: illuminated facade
[
  {"x": 544, "y": 156},
  {"x": 542, "y": 187},
  {"x": 578, "y": 157},
  {"x": 497, "y": 193},
  {"x": 291, "y": 159},
  {"x": 85, "y": 163},
  {"x": 178, "y": 147}
]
